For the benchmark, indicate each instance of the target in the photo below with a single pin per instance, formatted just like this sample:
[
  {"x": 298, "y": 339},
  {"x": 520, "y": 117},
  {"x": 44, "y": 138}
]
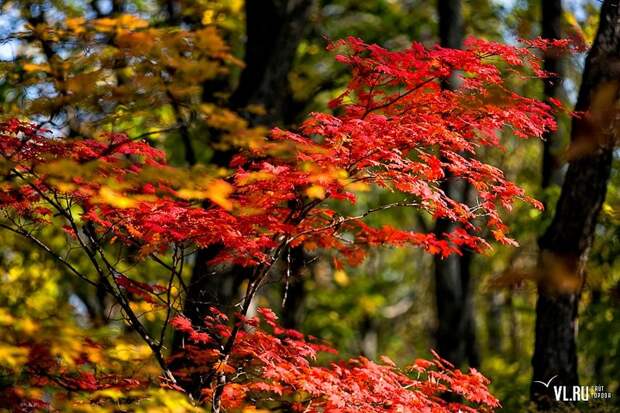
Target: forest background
[{"x": 247, "y": 68}]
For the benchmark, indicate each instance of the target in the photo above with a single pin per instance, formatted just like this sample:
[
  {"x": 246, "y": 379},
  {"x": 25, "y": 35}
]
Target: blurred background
[{"x": 198, "y": 74}]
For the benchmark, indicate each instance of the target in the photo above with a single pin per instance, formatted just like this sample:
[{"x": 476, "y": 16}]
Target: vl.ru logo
[{"x": 576, "y": 393}]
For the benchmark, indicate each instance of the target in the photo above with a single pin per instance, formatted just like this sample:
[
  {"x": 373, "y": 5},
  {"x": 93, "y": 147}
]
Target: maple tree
[{"x": 393, "y": 128}]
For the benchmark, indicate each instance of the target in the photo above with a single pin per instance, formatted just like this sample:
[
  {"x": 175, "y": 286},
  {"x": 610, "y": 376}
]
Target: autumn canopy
[{"x": 132, "y": 177}]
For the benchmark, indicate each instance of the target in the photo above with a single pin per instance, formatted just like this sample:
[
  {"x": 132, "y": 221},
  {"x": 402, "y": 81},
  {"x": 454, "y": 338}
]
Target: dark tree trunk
[
  {"x": 369, "y": 337},
  {"x": 294, "y": 289},
  {"x": 599, "y": 359},
  {"x": 274, "y": 29},
  {"x": 494, "y": 322},
  {"x": 455, "y": 329},
  {"x": 513, "y": 331},
  {"x": 551, "y": 29},
  {"x": 565, "y": 244},
  {"x": 472, "y": 351},
  {"x": 211, "y": 286}
]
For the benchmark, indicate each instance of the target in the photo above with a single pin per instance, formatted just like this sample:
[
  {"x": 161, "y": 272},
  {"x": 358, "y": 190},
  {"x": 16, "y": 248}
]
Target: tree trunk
[
  {"x": 294, "y": 289},
  {"x": 513, "y": 330},
  {"x": 551, "y": 29},
  {"x": 566, "y": 243},
  {"x": 494, "y": 322},
  {"x": 274, "y": 29},
  {"x": 456, "y": 328}
]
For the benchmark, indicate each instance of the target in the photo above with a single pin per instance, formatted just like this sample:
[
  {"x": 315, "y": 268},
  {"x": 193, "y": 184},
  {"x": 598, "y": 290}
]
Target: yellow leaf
[
  {"x": 316, "y": 191},
  {"x": 127, "y": 352},
  {"x": 33, "y": 67},
  {"x": 115, "y": 199},
  {"x": 105, "y": 24},
  {"x": 6, "y": 318},
  {"x": 125, "y": 21},
  {"x": 358, "y": 186},
  {"x": 129, "y": 21},
  {"x": 12, "y": 356},
  {"x": 65, "y": 186},
  {"x": 219, "y": 191},
  {"x": 111, "y": 393},
  {"x": 191, "y": 194},
  {"x": 26, "y": 325},
  {"x": 254, "y": 177},
  {"x": 341, "y": 278},
  {"x": 575, "y": 27},
  {"x": 207, "y": 17},
  {"x": 76, "y": 24}
]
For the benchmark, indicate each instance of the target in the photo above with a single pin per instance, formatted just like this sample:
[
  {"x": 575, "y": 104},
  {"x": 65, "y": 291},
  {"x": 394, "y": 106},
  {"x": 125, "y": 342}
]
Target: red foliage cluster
[
  {"x": 273, "y": 368},
  {"x": 394, "y": 127}
]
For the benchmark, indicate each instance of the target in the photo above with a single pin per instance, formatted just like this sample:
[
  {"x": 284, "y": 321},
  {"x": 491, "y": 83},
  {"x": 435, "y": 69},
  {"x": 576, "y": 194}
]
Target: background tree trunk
[
  {"x": 551, "y": 29},
  {"x": 274, "y": 29},
  {"x": 294, "y": 288},
  {"x": 455, "y": 335},
  {"x": 565, "y": 244}
]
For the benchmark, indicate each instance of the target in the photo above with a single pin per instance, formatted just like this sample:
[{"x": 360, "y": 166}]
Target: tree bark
[
  {"x": 455, "y": 334},
  {"x": 294, "y": 289},
  {"x": 274, "y": 30},
  {"x": 566, "y": 242},
  {"x": 551, "y": 29},
  {"x": 494, "y": 322}
]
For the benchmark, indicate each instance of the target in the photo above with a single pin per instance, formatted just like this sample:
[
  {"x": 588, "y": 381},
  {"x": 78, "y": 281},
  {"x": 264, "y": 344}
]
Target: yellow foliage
[
  {"x": 371, "y": 303},
  {"x": 12, "y": 357},
  {"x": 76, "y": 24},
  {"x": 149, "y": 311},
  {"x": 180, "y": 91},
  {"x": 33, "y": 67},
  {"x": 111, "y": 393},
  {"x": 316, "y": 192},
  {"x": 26, "y": 326},
  {"x": 188, "y": 194},
  {"x": 127, "y": 352},
  {"x": 219, "y": 191},
  {"x": 252, "y": 409},
  {"x": 6, "y": 319},
  {"x": 138, "y": 42},
  {"x": 68, "y": 344},
  {"x": 253, "y": 138},
  {"x": 207, "y": 17},
  {"x": 222, "y": 118},
  {"x": 166, "y": 401},
  {"x": 255, "y": 177},
  {"x": 216, "y": 190},
  {"x": 105, "y": 24},
  {"x": 341, "y": 278},
  {"x": 125, "y": 21},
  {"x": 109, "y": 196},
  {"x": 358, "y": 187}
]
